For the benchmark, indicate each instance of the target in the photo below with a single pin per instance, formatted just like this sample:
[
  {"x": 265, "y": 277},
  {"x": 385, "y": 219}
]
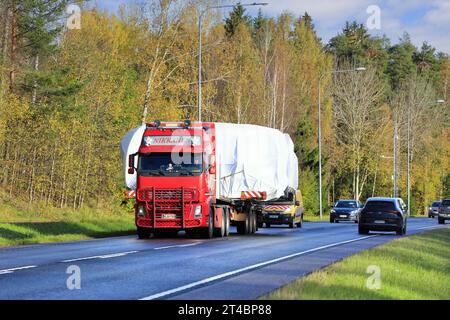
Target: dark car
[
  {"x": 433, "y": 210},
  {"x": 444, "y": 211},
  {"x": 345, "y": 210},
  {"x": 383, "y": 214}
]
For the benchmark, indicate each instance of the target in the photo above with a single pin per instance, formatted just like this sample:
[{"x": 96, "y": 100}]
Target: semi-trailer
[{"x": 202, "y": 177}]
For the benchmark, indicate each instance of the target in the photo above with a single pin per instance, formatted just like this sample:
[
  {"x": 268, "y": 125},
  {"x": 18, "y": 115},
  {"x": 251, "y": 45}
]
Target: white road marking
[
  {"x": 106, "y": 256},
  {"x": 432, "y": 227},
  {"x": 255, "y": 266},
  {"x": 6, "y": 271},
  {"x": 178, "y": 246}
]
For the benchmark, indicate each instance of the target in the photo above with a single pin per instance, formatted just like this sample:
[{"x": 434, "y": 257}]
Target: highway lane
[{"x": 238, "y": 267}]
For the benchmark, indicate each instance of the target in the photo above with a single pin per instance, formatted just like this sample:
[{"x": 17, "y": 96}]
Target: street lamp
[
  {"x": 439, "y": 101},
  {"x": 359, "y": 69},
  {"x": 200, "y": 20}
]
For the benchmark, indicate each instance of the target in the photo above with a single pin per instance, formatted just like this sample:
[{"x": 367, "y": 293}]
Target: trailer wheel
[
  {"x": 220, "y": 232},
  {"x": 143, "y": 233},
  {"x": 243, "y": 227},
  {"x": 253, "y": 222},
  {"x": 226, "y": 214}
]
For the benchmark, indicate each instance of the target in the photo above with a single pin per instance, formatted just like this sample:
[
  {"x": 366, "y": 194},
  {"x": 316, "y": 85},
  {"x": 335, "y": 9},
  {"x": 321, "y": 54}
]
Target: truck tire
[
  {"x": 227, "y": 221},
  {"x": 300, "y": 223},
  {"x": 243, "y": 227},
  {"x": 441, "y": 221},
  {"x": 253, "y": 222},
  {"x": 208, "y": 232},
  {"x": 220, "y": 232},
  {"x": 248, "y": 223},
  {"x": 291, "y": 225},
  {"x": 143, "y": 233}
]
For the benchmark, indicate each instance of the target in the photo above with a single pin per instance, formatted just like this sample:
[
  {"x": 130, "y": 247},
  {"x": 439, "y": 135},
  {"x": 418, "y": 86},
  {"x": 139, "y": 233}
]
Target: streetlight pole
[
  {"x": 200, "y": 21},
  {"x": 359, "y": 69}
]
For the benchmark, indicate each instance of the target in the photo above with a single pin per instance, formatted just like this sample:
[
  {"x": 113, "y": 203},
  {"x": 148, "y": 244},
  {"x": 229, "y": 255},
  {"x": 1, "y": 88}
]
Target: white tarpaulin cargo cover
[
  {"x": 130, "y": 145},
  {"x": 254, "y": 158},
  {"x": 248, "y": 157}
]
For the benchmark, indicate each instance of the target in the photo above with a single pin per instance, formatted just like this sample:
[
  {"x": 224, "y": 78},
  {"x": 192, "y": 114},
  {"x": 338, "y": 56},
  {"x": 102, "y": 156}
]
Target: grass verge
[
  {"x": 22, "y": 224},
  {"x": 416, "y": 267}
]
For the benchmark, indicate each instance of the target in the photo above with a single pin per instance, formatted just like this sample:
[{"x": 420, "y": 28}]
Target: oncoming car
[{"x": 345, "y": 210}]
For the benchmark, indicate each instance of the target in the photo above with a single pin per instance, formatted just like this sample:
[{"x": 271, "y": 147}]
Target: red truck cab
[{"x": 175, "y": 179}]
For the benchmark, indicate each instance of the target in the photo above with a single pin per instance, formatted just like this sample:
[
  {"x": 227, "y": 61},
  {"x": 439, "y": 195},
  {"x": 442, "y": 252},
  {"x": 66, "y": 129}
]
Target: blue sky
[{"x": 424, "y": 20}]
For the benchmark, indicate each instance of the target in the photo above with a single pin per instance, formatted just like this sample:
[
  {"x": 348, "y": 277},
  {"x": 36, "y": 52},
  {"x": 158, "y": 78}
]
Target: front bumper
[
  {"x": 277, "y": 218},
  {"x": 445, "y": 216},
  {"x": 343, "y": 217}
]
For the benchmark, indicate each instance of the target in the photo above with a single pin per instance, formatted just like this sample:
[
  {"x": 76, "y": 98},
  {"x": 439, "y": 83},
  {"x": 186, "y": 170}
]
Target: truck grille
[
  {"x": 167, "y": 194},
  {"x": 166, "y": 207}
]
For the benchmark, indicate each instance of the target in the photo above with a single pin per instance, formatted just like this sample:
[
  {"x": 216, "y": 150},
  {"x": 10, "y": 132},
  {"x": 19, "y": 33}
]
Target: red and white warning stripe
[
  {"x": 130, "y": 194},
  {"x": 253, "y": 195},
  {"x": 276, "y": 207}
]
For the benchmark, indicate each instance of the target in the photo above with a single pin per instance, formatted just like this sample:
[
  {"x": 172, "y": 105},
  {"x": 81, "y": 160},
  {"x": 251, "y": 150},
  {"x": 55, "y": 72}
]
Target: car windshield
[
  {"x": 168, "y": 164},
  {"x": 446, "y": 203},
  {"x": 436, "y": 204},
  {"x": 346, "y": 204},
  {"x": 380, "y": 206}
]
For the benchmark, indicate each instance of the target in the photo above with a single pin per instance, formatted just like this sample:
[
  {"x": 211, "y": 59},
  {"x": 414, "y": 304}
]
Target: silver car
[{"x": 433, "y": 210}]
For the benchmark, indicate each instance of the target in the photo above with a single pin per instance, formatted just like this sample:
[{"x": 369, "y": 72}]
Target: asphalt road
[{"x": 238, "y": 267}]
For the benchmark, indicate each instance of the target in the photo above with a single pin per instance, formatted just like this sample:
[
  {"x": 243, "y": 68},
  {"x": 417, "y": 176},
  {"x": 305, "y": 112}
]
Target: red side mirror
[
  {"x": 131, "y": 164},
  {"x": 212, "y": 170}
]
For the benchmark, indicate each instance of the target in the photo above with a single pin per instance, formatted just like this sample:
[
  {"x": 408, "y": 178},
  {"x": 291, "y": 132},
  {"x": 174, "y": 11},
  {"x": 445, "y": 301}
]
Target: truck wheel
[
  {"x": 441, "y": 221},
  {"x": 143, "y": 233},
  {"x": 208, "y": 232},
  {"x": 220, "y": 232},
  {"x": 300, "y": 223},
  {"x": 253, "y": 222},
  {"x": 291, "y": 225},
  {"x": 226, "y": 213},
  {"x": 248, "y": 226}
]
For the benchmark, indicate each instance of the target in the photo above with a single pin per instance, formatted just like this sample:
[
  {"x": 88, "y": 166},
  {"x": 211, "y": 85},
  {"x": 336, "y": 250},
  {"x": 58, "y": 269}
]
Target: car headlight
[
  {"x": 333, "y": 211},
  {"x": 198, "y": 212},
  {"x": 141, "y": 210},
  {"x": 354, "y": 212}
]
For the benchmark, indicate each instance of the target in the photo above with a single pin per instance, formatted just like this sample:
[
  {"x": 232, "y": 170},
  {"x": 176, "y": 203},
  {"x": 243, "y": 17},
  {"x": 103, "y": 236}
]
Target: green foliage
[{"x": 236, "y": 18}]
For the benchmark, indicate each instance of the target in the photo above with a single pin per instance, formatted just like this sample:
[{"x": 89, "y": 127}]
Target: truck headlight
[
  {"x": 198, "y": 212},
  {"x": 287, "y": 210},
  {"x": 141, "y": 211}
]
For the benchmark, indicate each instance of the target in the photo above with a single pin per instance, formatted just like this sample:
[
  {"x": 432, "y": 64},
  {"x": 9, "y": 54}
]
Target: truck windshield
[{"x": 172, "y": 165}]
